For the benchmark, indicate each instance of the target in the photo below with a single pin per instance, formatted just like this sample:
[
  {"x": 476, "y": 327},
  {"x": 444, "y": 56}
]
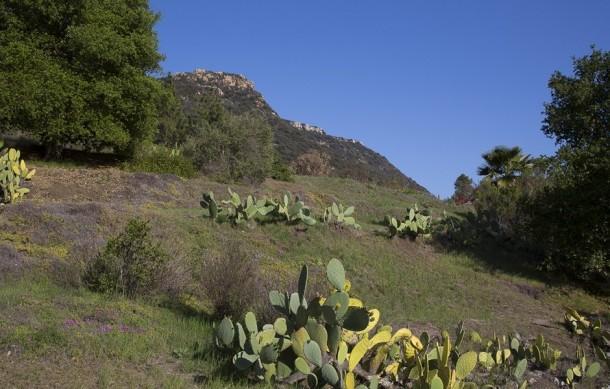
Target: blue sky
[{"x": 429, "y": 84}]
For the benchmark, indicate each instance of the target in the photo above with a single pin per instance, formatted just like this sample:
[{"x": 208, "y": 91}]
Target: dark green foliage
[
  {"x": 570, "y": 218},
  {"x": 173, "y": 130},
  {"x": 279, "y": 170},
  {"x": 497, "y": 209},
  {"x": 230, "y": 148},
  {"x": 160, "y": 159},
  {"x": 578, "y": 115},
  {"x": 131, "y": 264},
  {"x": 464, "y": 190},
  {"x": 77, "y": 71}
]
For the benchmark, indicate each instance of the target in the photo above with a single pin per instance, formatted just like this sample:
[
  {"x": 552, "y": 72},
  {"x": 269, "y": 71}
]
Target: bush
[
  {"x": 569, "y": 219},
  {"x": 160, "y": 159},
  {"x": 131, "y": 264},
  {"x": 232, "y": 281},
  {"x": 312, "y": 163},
  {"x": 279, "y": 170},
  {"x": 229, "y": 148}
]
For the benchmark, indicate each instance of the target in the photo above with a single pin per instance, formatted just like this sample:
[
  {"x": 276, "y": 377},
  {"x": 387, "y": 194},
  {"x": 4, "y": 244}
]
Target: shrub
[
  {"x": 130, "y": 264},
  {"x": 160, "y": 159},
  {"x": 229, "y": 148},
  {"x": 464, "y": 190},
  {"x": 312, "y": 163},
  {"x": 232, "y": 281},
  {"x": 279, "y": 170}
]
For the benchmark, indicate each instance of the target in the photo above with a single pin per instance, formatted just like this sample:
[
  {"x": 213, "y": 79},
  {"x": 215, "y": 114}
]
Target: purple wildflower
[
  {"x": 70, "y": 323},
  {"x": 106, "y": 328}
]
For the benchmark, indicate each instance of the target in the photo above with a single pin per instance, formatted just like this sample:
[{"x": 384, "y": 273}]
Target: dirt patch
[
  {"x": 106, "y": 185},
  {"x": 528, "y": 290}
]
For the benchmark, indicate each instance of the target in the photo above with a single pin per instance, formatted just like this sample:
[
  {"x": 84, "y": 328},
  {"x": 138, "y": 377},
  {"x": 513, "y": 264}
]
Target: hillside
[
  {"x": 348, "y": 157},
  {"x": 55, "y": 333}
]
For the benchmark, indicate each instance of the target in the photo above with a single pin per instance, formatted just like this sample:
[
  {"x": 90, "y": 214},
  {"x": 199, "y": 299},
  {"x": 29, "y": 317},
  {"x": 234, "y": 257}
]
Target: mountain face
[{"x": 348, "y": 157}]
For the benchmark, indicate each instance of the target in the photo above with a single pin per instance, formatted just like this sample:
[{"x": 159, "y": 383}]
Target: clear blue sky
[{"x": 429, "y": 84}]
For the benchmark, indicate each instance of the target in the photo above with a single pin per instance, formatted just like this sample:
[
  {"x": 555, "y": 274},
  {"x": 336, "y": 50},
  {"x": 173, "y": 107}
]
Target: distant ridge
[{"x": 348, "y": 157}]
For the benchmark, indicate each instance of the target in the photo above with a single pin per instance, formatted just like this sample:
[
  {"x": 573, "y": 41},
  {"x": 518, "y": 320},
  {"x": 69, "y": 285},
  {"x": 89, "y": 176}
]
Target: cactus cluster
[
  {"x": 309, "y": 343},
  {"x": 340, "y": 216},
  {"x": 13, "y": 171},
  {"x": 238, "y": 211},
  {"x": 293, "y": 210},
  {"x": 416, "y": 223},
  {"x": 336, "y": 342},
  {"x": 544, "y": 355},
  {"x": 581, "y": 369},
  {"x": 599, "y": 336}
]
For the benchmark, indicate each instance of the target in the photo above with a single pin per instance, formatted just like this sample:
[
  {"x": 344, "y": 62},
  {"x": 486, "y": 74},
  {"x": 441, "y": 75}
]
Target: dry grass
[{"x": 411, "y": 282}]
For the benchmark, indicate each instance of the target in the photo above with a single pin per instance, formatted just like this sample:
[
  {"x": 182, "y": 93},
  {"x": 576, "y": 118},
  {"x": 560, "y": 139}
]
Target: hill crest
[{"x": 349, "y": 158}]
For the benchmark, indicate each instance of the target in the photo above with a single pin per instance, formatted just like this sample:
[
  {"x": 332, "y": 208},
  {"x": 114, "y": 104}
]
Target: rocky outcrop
[{"x": 348, "y": 157}]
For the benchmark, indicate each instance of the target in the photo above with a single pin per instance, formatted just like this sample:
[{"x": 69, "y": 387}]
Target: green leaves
[
  {"x": 593, "y": 369},
  {"x": 303, "y": 283},
  {"x": 102, "y": 97}
]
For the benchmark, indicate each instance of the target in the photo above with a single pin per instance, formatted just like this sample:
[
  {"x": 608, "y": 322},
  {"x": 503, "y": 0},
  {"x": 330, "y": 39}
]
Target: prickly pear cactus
[
  {"x": 417, "y": 223},
  {"x": 339, "y": 216},
  {"x": 13, "y": 171}
]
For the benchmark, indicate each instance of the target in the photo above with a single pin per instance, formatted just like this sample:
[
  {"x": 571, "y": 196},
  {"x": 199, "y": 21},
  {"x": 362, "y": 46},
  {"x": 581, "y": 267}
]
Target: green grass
[
  {"x": 91, "y": 339},
  {"x": 414, "y": 284}
]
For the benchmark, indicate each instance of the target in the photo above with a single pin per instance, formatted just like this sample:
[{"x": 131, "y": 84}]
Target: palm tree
[{"x": 504, "y": 164}]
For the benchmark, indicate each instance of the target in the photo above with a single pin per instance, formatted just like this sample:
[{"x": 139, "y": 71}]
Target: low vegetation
[
  {"x": 554, "y": 208},
  {"x": 160, "y": 159},
  {"x": 335, "y": 341},
  {"x": 131, "y": 264},
  {"x": 238, "y": 211},
  {"x": 13, "y": 171},
  {"x": 415, "y": 224},
  {"x": 340, "y": 216},
  {"x": 108, "y": 270}
]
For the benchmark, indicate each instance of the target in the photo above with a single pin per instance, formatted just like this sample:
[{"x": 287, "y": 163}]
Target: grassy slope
[{"x": 72, "y": 211}]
